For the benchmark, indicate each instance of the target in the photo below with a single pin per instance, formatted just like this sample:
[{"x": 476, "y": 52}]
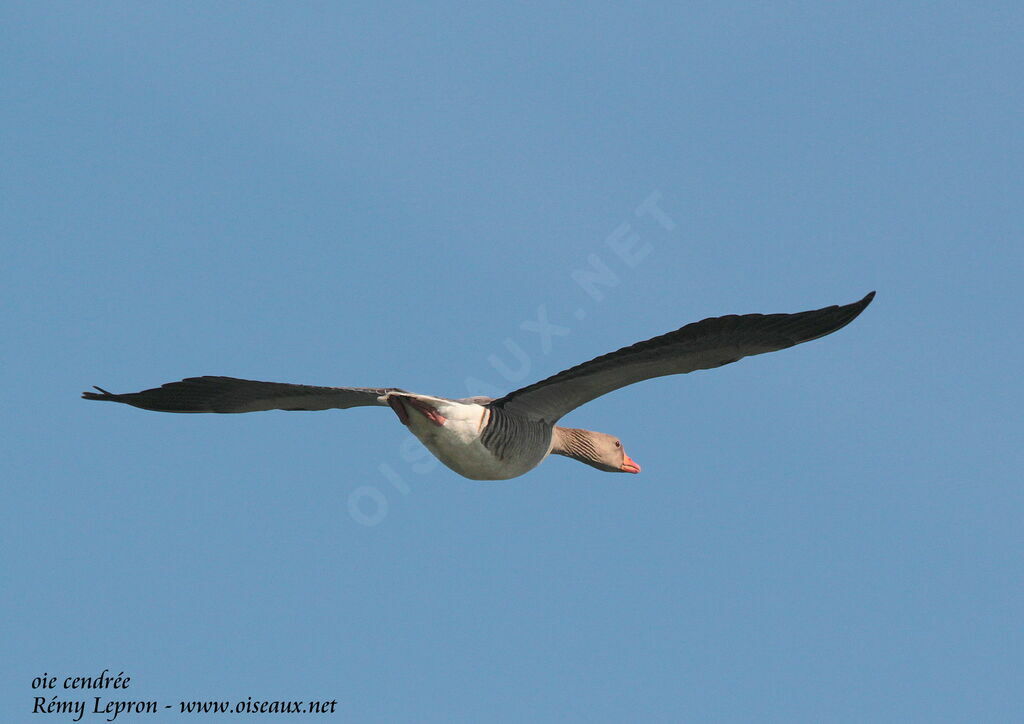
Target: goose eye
[{"x": 618, "y": 444}]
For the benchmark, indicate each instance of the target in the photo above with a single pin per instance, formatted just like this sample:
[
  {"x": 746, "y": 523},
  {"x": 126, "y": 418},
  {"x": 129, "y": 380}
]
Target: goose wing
[
  {"x": 229, "y": 394},
  {"x": 699, "y": 346}
]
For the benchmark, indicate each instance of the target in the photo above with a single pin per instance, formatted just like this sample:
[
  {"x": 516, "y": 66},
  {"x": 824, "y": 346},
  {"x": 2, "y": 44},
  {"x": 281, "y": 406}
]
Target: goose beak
[{"x": 629, "y": 465}]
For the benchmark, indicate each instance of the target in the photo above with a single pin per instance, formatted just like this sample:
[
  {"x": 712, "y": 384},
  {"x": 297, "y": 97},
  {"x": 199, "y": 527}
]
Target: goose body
[
  {"x": 460, "y": 435},
  {"x": 487, "y": 439}
]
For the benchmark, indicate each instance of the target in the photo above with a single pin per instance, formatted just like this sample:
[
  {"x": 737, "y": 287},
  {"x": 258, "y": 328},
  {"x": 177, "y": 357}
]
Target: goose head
[{"x": 596, "y": 449}]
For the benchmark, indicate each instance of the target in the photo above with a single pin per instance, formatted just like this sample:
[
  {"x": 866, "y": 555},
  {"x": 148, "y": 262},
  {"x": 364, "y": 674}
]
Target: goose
[{"x": 482, "y": 438}]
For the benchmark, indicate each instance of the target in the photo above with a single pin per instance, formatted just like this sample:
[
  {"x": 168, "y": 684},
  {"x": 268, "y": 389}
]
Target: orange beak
[{"x": 629, "y": 465}]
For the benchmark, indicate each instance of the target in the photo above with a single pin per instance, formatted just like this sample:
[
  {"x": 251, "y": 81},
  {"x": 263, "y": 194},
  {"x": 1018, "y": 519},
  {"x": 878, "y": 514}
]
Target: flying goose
[{"x": 486, "y": 439}]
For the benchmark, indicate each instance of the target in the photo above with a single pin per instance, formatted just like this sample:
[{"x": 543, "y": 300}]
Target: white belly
[{"x": 457, "y": 444}]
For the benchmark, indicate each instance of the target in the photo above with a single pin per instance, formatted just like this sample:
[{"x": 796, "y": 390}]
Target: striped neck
[{"x": 574, "y": 443}]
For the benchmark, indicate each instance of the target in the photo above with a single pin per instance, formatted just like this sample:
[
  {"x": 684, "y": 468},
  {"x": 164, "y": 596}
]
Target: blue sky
[{"x": 384, "y": 195}]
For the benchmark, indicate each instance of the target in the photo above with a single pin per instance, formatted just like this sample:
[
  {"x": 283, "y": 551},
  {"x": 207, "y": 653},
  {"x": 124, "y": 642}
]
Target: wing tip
[
  {"x": 857, "y": 307},
  {"x": 846, "y": 314},
  {"x": 101, "y": 395}
]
